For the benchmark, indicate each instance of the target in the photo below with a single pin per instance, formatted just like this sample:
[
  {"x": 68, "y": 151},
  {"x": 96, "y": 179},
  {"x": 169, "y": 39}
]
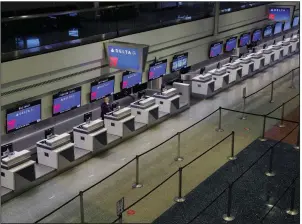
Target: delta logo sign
[
  {"x": 124, "y": 58},
  {"x": 93, "y": 95},
  {"x": 11, "y": 124},
  {"x": 271, "y": 16},
  {"x": 151, "y": 74},
  {"x": 56, "y": 108}
]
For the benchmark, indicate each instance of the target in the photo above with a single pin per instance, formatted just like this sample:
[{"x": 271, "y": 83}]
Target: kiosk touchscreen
[
  {"x": 179, "y": 62},
  {"x": 278, "y": 28},
  {"x": 131, "y": 79},
  {"x": 23, "y": 116},
  {"x": 157, "y": 70},
  {"x": 66, "y": 101},
  {"x": 230, "y": 44},
  {"x": 256, "y": 35},
  {"x": 101, "y": 89},
  {"x": 268, "y": 31},
  {"x": 244, "y": 39},
  {"x": 216, "y": 49}
]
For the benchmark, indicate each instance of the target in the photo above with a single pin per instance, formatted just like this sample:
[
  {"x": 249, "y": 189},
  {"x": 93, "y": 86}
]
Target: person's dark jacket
[{"x": 105, "y": 109}]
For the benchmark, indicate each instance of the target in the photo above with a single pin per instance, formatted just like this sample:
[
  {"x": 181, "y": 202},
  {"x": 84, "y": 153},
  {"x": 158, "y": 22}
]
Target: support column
[{"x": 216, "y": 18}]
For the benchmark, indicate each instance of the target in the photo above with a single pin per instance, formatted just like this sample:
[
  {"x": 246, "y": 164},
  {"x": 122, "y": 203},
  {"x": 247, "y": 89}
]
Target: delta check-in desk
[
  {"x": 120, "y": 122},
  {"x": 168, "y": 101},
  {"x": 56, "y": 152},
  {"x": 235, "y": 71},
  {"x": 221, "y": 77},
  {"x": 17, "y": 170},
  {"x": 91, "y": 135},
  {"x": 145, "y": 110}
]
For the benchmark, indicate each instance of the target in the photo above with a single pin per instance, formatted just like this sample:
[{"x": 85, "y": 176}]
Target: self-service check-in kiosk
[
  {"x": 221, "y": 77},
  {"x": 119, "y": 122},
  {"x": 278, "y": 50},
  {"x": 247, "y": 65},
  {"x": 203, "y": 85},
  {"x": 258, "y": 60},
  {"x": 168, "y": 100},
  {"x": 17, "y": 170},
  {"x": 269, "y": 55},
  {"x": 145, "y": 110},
  {"x": 294, "y": 41},
  {"x": 90, "y": 135},
  {"x": 286, "y": 47},
  {"x": 56, "y": 152},
  {"x": 235, "y": 71}
]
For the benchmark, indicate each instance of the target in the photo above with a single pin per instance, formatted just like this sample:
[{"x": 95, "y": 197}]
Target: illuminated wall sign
[
  {"x": 23, "y": 116},
  {"x": 101, "y": 89},
  {"x": 179, "y": 62},
  {"x": 126, "y": 56},
  {"x": 230, "y": 44},
  {"x": 66, "y": 101},
  {"x": 279, "y": 14}
]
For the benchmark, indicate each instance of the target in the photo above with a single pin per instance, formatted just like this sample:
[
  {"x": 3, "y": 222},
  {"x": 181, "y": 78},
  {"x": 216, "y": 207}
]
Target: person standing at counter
[{"x": 105, "y": 107}]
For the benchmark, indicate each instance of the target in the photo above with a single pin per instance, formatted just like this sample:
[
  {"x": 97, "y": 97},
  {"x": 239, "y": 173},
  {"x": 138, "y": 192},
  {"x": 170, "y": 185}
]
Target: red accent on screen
[
  {"x": 11, "y": 124},
  {"x": 113, "y": 61},
  {"x": 93, "y": 95},
  {"x": 151, "y": 74},
  {"x": 56, "y": 107},
  {"x": 271, "y": 16},
  {"x": 211, "y": 53},
  {"x": 125, "y": 84}
]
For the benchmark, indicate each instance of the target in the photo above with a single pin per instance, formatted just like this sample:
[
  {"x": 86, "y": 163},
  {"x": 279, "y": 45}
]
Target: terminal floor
[{"x": 100, "y": 201}]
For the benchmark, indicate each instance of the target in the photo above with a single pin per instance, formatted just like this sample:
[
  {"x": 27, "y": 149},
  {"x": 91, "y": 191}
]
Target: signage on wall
[
  {"x": 126, "y": 56},
  {"x": 279, "y": 13}
]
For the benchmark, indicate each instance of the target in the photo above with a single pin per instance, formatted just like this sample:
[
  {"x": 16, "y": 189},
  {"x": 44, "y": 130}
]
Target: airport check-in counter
[
  {"x": 203, "y": 85},
  {"x": 294, "y": 42},
  {"x": 247, "y": 65},
  {"x": 56, "y": 151},
  {"x": 269, "y": 55},
  {"x": 286, "y": 46},
  {"x": 221, "y": 77},
  {"x": 17, "y": 170},
  {"x": 145, "y": 110},
  {"x": 168, "y": 100},
  {"x": 119, "y": 122},
  {"x": 91, "y": 135},
  {"x": 235, "y": 71}
]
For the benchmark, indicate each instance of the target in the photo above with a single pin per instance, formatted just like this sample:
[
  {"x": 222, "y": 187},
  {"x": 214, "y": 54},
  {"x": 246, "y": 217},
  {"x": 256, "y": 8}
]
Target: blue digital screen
[
  {"x": 279, "y": 14},
  {"x": 231, "y": 44},
  {"x": 268, "y": 31},
  {"x": 124, "y": 58},
  {"x": 101, "y": 89},
  {"x": 33, "y": 42},
  {"x": 179, "y": 62},
  {"x": 157, "y": 70},
  {"x": 256, "y": 35},
  {"x": 286, "y": 26},
  {"x": 131, "y": 79},
  {"x": 296, "y": 21},
  {"x": 65, "y": 101},
  {"x": 23, "y": 116},
  {"x": 278, "y": 28},
  {"x": 244, "y": 39},
  {"x": 73, "y": 32},
  {"x": 216, "y": 49}
]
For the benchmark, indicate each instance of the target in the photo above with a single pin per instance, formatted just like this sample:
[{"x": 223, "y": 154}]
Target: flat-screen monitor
[
  {"x": 279, "y": 14},
  {"x": 131, "y": 79},
  {"x": 126, "y": 56},
  {"x": 278, "y": 28},
  {"x": 230, "y": 44},
  {"x": 23, "y": 116},
  {"x": 296, "y": 21},
  {"x": 66, "y": 101},
  {"x": 179, "y": 62},
  {"x": 101, "y": 88},
  {"x": 287, "y": 26},
  {"x": 216, "y": 49},
  {"x": 268, "y": 31},
  {"x": 256, "y": 35},
  {"x": 157, "y": 70},
  {"x": 140, "y": 87},
  {"x": 244, "y": 39}
]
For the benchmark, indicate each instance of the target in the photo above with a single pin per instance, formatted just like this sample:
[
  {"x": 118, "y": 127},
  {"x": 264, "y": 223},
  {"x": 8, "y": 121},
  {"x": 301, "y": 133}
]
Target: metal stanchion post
[
  {"x": 272, "y": 93},
  {"x": 137, "y": 184},
  {"x": 262, "y": 138},
  {"x": 219, "y": 129},
  {"x": 282, "y": 125},
  {"x": 82, "y": 207},
  {"x": 243, "y": 113},
  {"x": 179, "y": 198},
  {"x": 228, "y": 217},
  {"x": 178, "y": 158},
  {"x": 120, "y": 220},
  {"x": 233, "y": 157},
  {"x": 297, "y": 146},
  {"x": 270, "y": 172},
  {"x": 292, "y": 210},
  {"x": 292, "y": 84}
]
